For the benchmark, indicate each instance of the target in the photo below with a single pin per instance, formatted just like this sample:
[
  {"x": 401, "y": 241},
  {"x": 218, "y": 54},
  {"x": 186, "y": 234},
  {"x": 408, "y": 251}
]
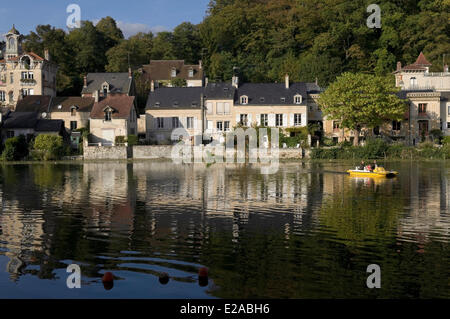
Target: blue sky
[{"x": 132, "y": 15}]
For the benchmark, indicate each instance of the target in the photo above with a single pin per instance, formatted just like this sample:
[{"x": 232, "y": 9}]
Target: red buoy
[
  {"x": 203, "y": 272},
  {"x": 108, "y": 277}
]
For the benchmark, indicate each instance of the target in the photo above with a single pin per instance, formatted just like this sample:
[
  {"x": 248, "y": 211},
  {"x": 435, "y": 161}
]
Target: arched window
[
  {"x": 413, "y": 82},
  {"x": 108, "y": 114},
  {"x": 298, "y": 99},
  {"x": 244, "y": 99},
  {"x": 12, "y": 43}
]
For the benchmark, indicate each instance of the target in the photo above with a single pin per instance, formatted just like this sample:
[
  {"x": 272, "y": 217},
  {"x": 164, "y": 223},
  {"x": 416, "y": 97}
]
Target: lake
[{"x": 308, "y": 231}]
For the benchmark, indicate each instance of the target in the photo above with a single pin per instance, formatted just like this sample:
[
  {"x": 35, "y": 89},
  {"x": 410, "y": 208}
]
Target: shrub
[
  {"x": 132, "y": 140},
  {"x": 49, "y": 147},
  {"x": 120, "y": 140},
  {"x": 16, "y": 149},
  {"x": 436, "y": 134},
  {"x": 446, "y": 140}
]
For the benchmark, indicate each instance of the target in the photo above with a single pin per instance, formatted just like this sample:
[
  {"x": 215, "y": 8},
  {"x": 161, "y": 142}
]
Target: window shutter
[
  {"x": 291, "y": 121},
  {"x": 285, "y": 120},
  {"x": 249, "y": 120},
  {"x": 238, "y": 118},
  {"x": 258, "y": 119},
  {"x": 272, "y": 120},
  {"x": 155, "y": 123},
  {"x": 227, "y": 108},
  {"x": 183, "y": 121},
  {"x": 195, "y": 123}
]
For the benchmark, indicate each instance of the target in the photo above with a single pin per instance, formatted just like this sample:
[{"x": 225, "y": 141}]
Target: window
[
  {"x": 190, "y": 123},
  {"x": 244, "y": 99},
  {"x": 264, "y": 120},
  {"x": 73, "y": 125},
  {"x": 174, "y": 73},
  {"x": 160, "y": 122},
  {"x": 413, "y": 81},
  {"x": 175, "y": 122},
  {"x": 108, "y": 115},
  {"x": 448, "y": 111},
  {"x": 226, "y": 126},
  {"x": 422, "y": 108},
  {"x": 11, "y": 78},
  {"x": 396, "y": 126},
  {"x": 209, "y": 108},
  {"x": 262, "y": 100},
  {"x": 297, "y": 120},
  {"x": 220, "y": 126},
  {"x": 243, "y": 119},
  {"x": 191, "y": 73},
  {"x": 9, "y": 134},
  {"x": 220, "y": 109},
  {"x": 298, "y": 99},
  {"x": 336, "y": 126},
  {"x": 26, "y": 92},
  {"x": 73, "y": 111},
  {"x": 2, "y": 96},
  {"x": 283, "y": 100},
  {"x": 105, "y": 89},
  {"x": 27, "y": 76},
  {"x": 448, "y": 125},
  {"x": 227, "y": 108},
  {"x": 279, "y": 119}
]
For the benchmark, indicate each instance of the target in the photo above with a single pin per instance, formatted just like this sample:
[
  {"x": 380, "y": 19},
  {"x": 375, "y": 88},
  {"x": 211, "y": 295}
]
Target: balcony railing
[{"x": 28, "y": 82}]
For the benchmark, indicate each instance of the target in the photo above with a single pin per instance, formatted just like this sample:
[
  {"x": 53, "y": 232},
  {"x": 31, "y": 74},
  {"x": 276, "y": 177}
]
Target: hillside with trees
[{"x": 265, "y": 39}]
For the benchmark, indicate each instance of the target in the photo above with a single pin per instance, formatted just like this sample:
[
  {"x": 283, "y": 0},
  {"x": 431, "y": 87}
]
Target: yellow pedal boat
[{"x": 378, "y": 172}]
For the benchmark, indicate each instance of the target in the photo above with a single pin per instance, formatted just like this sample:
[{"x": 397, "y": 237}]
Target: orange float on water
[
  {"x": 203, "y": 272},
  {"x": 108, "y": 277}
]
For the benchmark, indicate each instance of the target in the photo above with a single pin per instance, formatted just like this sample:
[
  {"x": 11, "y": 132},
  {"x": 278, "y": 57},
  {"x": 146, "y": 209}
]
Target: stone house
[
  {"x": 163, "y": 72},
  {"x": 24, "y": 73},
  {"x": 114, "y": 116},
  {"x": 220, "y": 107},
  {"x": 101, "y": 85},
  {"x": 74, "y": 111}
]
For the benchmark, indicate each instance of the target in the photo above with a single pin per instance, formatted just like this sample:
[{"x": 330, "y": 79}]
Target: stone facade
[
  {"x": 24, "y": 73},
  {"x": 105, "y": 153}
]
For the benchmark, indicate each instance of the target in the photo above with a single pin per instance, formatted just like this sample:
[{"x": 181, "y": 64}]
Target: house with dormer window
[
  {"x": 113, "y": 116},
  {"x": 162, "y": 73}
]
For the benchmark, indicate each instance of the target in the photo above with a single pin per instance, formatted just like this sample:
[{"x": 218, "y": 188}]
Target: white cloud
[{"x": 130, "y": 29}]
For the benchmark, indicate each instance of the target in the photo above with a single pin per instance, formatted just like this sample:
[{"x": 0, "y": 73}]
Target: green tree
[
  {"x": 112, "y": 35},
  {"x": 16, "y": 149},
  {"x": 361, "y": 100},
  {"x": 49, "y": 147}
]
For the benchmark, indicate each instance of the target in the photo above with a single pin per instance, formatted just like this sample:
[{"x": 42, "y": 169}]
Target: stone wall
[
  {"x": 105, "y": 153},
  {"x": 152, "y": 152},
  {"x": 165, "y": 152}
]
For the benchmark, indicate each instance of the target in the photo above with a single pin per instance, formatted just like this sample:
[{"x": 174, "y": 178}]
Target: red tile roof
[
  {"x": 121, "y": 104},
  {"x": 422, "y": 60}
]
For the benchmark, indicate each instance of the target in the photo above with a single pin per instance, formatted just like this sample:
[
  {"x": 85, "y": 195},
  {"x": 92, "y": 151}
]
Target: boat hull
[{"x": 372, "y": 174}]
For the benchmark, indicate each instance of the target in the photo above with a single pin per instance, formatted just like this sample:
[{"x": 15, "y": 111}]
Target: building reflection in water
[{"x": 79, "y": 212}]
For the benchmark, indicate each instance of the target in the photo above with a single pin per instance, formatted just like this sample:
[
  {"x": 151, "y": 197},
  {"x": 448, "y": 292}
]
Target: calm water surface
[{"x": 305, "y": 232}]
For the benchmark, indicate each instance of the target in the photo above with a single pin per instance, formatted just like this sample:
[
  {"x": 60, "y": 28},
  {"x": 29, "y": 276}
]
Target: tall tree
[
  {"x": 112, "y": 35},
  {"x": 362, "y": 100}
]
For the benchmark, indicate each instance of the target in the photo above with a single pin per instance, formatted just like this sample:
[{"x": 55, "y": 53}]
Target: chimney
[
  {"x": 200, "y": 64},
  {"x": 96, "y": 96},
  {"x": 286, "y": 80},
  {"x": 85, "y": 81},
  {"x": 206, "y": 81},
  {"x": 317, "y": 81},
  {"x": 446, "y": 68},
  {"x": 47, "y": 55},
  {"x": 130, "y": 74},
  {"x": 399, "y": 66},
  {"x": 235, "y": 81},
  {"x": 152, "y": 86}
]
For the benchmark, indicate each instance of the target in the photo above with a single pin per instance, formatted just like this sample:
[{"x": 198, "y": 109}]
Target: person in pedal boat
[
  {"x": 362, "y": 166},
  {"x": 374, "y": 166}
]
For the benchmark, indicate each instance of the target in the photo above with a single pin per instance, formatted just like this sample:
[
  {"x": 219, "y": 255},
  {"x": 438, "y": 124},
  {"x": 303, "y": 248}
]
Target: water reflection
[{"x": 306, "y": 232}]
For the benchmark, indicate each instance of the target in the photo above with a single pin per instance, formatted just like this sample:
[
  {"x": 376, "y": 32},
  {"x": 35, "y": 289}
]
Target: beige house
[
  {"x": 225, "y": 106},
  {"x": 163, "y": 72},
  {"x": 112, "y": 117},
  {"x": 74, "y": 111},
  {"x": 24, "y": 73}
]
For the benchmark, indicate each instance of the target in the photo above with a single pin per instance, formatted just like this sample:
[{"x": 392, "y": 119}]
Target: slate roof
[
  {"x": 160, "y": 70},
  {"x": 64, "y": 104},
  {"x": 175, "y": 98},
  {"x": 121, "y": 104},
  {"x": 118, "y": 82},
  {"x": 49, "y": 125},
  {"x": 271, "y": 93},
  {"x": 219, "y": 91},
  {"x": 33, "y": 103},
  {"x": 21, "y": 120}
]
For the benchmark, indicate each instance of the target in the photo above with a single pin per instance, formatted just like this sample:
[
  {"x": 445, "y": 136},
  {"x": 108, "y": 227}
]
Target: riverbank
[{"x": 379, "y": 149}]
